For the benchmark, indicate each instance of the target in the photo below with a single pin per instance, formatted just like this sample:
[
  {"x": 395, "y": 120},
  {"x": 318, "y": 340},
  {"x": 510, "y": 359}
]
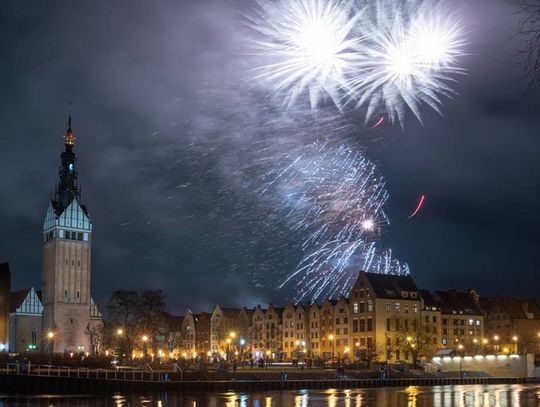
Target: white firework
[
  {"x": 409, "y": 58},
  {"x": 383, "y": 57},
  {"x": 334, "y": 197},
  {"x": 311, "y": 46}
]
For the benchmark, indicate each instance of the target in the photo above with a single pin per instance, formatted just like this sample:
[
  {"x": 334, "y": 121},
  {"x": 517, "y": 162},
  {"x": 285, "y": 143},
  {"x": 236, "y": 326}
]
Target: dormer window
[{"x": 404, "y": 294}]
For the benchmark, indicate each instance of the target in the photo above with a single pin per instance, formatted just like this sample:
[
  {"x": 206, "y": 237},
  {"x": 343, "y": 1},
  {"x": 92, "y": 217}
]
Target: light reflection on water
[{"x": 413, "y": 396}]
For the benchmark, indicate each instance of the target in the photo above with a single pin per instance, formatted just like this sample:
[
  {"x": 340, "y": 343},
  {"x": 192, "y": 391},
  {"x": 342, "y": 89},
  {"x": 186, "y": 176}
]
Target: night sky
[{"x": 170, "y": 123}]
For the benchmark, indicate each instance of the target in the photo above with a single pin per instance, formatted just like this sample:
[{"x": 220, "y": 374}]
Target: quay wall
[{"x": 30, "y": 384}]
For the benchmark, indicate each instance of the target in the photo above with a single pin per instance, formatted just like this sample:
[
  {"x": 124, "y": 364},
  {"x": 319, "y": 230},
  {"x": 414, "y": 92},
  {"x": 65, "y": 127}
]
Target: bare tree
[
  {"x": 97, "y": 335},
  {"x": 122, "y": 313},
  {"x": 150, "y": 316},
  {"x": 529, "y": 30},
  {"x": 416, "y": 339}
]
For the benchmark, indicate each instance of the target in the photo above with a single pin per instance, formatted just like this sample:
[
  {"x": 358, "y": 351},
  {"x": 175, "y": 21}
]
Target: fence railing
[{"x": 84, "y": 373}]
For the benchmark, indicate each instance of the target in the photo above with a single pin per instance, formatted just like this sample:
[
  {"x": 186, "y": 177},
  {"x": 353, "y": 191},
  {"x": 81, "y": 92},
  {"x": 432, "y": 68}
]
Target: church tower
[{"x": 66, "y": 262}]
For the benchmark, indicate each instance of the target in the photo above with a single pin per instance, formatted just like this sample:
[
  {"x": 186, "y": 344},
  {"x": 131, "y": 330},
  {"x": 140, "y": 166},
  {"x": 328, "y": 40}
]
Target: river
[{"x": 414, "y": 396}]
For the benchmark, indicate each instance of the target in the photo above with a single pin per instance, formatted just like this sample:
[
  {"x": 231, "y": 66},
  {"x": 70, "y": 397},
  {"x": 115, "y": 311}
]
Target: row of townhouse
[{"x": 385, "y": 318}]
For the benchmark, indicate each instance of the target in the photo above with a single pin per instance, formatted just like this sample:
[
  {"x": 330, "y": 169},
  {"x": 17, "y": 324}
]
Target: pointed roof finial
[{"x": 69, "y": 137}]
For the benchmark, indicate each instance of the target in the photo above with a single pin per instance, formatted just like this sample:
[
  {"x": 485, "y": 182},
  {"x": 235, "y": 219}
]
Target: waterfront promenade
[{"x": 80, "y": 380}]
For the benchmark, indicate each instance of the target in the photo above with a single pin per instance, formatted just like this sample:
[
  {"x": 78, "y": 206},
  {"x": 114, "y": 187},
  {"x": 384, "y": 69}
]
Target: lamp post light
[
  {"x": 228, "y": 351},
  {"x": 331, "y": 339},
  {"x": 145, "y": 345},
  {"x": 496, "y": 342},
  {"x": 515, "y": 339},
  {"x": 242, "y": 343},
  {"x": 485, "y": 343},
  {"x": 50, "y": 337}
]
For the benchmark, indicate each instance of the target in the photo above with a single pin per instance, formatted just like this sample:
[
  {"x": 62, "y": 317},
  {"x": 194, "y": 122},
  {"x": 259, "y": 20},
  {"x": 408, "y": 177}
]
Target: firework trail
[
  {"x": 334, "y": 197},
  {"x": 383, "y": 57}
]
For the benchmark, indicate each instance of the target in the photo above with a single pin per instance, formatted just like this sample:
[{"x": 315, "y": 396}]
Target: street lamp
[
  {"x": 50, "y": 337},
  {"x": 145, "y": 347},
  {"x": 242, "y": 343},
  {"x": 495, "y": 342},
  {"x": 331, "y": 339},
  {"x": 119, "y": 332},
  {"x": 515, "y": 339}
]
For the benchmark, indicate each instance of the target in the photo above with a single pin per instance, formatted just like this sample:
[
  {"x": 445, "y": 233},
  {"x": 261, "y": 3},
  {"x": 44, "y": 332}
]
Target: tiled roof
[
  {"x": 16, "y": 299},
  {"x": 514, "y": 307},
  {"x": 457, "y": 302},
  {"x": 429, "y": 299},
  {"x": 390, "y": 286}
]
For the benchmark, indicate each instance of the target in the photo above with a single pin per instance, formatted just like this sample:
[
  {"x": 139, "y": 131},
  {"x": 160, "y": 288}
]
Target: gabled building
[
  {"x": 295, "y": 331},
  {"x": 195, "y": 334},
  {"x": 228, "y": 327},
  {"x": 431, "y": 321},
  {"x": 515, "y": 322},
  {"x": 314, "y": 340},
  {"x": 267, "y": 332},
  {"x": 25, "y": 319},
  {"x": 327, "y": 328},
  {"x": 462, "y": 320},
  {"x": 386, "y": 308}
]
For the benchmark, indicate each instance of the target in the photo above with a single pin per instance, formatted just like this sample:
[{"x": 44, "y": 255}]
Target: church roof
[{"x": 18, "y": 298}]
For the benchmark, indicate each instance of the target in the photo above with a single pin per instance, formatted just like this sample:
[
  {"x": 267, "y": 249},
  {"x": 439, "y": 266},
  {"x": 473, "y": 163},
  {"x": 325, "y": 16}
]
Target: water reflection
[{"x": 413, "y": 396}]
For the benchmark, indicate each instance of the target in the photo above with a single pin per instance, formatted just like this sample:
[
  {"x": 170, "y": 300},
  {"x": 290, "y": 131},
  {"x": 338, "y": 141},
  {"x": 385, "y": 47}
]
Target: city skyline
[{"x": 161, "y": 176}]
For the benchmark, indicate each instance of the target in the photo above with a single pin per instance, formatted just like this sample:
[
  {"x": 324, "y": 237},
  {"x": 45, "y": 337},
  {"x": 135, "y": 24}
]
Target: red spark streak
[
  {"x": 418, "y": 207},
  {"x": 379, "y": 122}
]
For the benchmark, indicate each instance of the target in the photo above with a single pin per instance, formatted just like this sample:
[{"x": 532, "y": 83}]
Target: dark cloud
[{"x": 167, "y": 123}]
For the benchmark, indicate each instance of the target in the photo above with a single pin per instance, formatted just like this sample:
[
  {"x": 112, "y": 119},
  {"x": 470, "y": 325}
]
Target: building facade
[
  {"x": 25, "y": 319},
  {"x": 5, "y": 289},
  {"x": 62, "y": 317}
]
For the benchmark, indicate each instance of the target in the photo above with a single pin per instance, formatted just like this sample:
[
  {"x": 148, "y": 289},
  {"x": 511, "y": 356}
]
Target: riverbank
[{"x": 32, "y": 384}]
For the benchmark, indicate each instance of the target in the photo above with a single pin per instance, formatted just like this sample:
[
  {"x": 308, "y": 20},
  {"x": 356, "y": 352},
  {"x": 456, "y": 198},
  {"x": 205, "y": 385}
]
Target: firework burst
[
  {"x": 311, "y": 46},
  {"x": 410, "y": 57},
  {"x": 334, "y": 197},
  {"x": 384, "y": 57}
]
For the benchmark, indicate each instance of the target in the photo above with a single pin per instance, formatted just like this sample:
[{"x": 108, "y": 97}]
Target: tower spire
[
  {"x": 68, "y": 186},
  {"x": 69, "y": 138}
]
